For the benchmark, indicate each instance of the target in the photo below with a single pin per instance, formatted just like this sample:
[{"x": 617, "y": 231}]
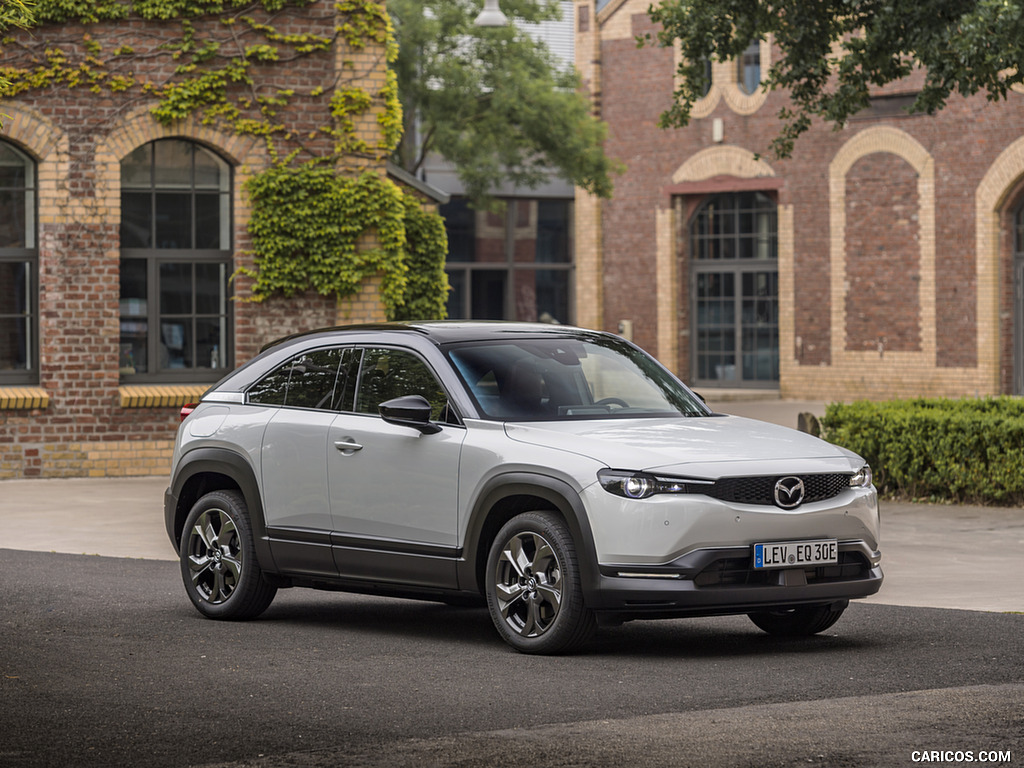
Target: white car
[{"x": 562, "y": 475}]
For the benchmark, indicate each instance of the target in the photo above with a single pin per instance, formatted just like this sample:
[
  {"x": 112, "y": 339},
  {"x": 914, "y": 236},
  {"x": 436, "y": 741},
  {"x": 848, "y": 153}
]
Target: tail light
[{"x": 187, "y": 409}]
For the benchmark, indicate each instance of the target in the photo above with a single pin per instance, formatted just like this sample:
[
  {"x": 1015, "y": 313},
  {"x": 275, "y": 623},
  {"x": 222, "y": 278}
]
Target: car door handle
[{"x": 347, "y": 446}]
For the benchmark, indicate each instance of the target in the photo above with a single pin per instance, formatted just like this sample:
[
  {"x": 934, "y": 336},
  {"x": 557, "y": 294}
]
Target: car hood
[{"x": 700, "y": 447}]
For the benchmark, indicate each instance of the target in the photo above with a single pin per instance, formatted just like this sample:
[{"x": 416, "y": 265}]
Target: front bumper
[{"x": 719, "y": 581}]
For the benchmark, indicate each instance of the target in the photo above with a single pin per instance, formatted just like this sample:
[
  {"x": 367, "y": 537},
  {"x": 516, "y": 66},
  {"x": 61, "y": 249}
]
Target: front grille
[
  {"x": 761, "y": 490},
  {"x": 738, "y": 571}
]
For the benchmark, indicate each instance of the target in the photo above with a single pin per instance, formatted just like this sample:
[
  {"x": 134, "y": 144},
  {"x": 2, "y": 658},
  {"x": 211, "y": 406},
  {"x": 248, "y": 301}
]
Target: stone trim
[
  {"x": 882, "y": 139},
  {"x": 23, "y": 398},
  {"x": 160, "y": 395},
  {"x": 726, "y": 160},
  {"x": 989, "y": 199}
]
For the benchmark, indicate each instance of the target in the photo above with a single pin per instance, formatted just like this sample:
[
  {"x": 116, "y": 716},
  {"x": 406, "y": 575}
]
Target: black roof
[{"x": 447, "y": 331}]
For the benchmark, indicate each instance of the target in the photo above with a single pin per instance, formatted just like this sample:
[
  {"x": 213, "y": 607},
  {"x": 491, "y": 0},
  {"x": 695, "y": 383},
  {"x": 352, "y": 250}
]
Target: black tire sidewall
[
  {"x": 574, "y": 623},
  {"x": 252, "y": 594}
]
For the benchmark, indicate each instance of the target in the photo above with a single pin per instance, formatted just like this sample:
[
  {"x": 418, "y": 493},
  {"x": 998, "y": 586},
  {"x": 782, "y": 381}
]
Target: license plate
[{"x": 796, "y": 554}]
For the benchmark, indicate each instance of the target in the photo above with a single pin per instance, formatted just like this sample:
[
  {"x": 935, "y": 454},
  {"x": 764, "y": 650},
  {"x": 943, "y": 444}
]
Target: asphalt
[{"x": 937, "y": 556}]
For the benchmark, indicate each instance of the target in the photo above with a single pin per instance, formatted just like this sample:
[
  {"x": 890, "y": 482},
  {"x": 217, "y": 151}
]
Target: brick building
[
  {"x": 119, "y": 234},
  {"x": 882, "y": 260}
]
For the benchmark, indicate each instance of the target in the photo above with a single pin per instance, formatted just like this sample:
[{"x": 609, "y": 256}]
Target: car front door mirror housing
[{"x": 409, "y": 411}]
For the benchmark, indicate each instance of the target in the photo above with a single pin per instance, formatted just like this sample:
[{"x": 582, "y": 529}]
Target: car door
[
  {"x": 293, "y": 461},
  {"x": 393, "y": 489}
]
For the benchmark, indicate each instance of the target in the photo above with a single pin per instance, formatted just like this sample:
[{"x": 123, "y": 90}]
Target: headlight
[
  {"x": 640, "y": 485},
  {"x": 861, "y": 478}
]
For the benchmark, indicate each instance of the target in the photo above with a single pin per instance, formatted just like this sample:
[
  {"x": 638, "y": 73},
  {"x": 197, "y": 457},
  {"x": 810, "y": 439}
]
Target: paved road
[
  {"x": 104, "y": 663},
  {"x": 933, "y": 555}
]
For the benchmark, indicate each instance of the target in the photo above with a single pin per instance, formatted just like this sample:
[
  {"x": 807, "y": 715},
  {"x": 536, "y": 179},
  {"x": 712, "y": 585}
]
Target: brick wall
[
  {"x": 895, "y": 262},
  {"x": 78, "y": 138}
]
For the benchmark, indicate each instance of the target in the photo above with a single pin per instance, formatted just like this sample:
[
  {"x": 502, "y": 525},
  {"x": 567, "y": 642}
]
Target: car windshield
[{"x": 564, "y": 378}]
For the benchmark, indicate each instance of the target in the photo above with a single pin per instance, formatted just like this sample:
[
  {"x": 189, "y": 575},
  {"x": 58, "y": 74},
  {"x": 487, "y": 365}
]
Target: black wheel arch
[
  {"x": 507, "y": 495},
  {"x": 213, "y": 469}
]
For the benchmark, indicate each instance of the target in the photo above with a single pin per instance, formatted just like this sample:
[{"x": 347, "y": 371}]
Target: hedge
[{"x": 964, "y": 451}]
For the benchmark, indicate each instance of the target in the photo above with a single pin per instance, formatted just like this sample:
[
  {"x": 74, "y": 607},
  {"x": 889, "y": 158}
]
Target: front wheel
[
  {"x": 533, "y": 585},
  {"x": 218, "y": 559},
  {"x": 798, "y": 622}
]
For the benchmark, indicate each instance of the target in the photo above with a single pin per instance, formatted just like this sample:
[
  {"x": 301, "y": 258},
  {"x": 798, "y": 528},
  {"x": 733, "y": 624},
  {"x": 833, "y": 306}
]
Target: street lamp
[{"x": 491, "y": 16}]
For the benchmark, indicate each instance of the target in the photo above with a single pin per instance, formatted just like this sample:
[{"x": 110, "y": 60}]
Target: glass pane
[
  {"x": 211, "y": 288},
  {"x": 137, "y": 168},
  {"x": 314, "y": 379},
  {"x": 173, "y": 220},
  {"x": 390, "y": 373},
  {"x": 210, "y": 338},
  {"x": 457, "y": 295},
  {"x": 172, "y": 164},
  {"x": 175, "y": 289},
  {"x": 13, "y": 211},
  {"x": 211, "y": 171},
  {"x": 750, "y": 68},
  {"x": 136, "y": 218},
  {"x": 542, "y": 295},
  {"x": 460, "y": 223},
  {"x": 210, "y": 213},
  {"x": 134, "y": 346},
  {"x": 12, "y": 175},
  {"x": 488, "y": 294},
  {"x": 134, "y": 325},
  {"x": 175, "y": 344},
  {"x": 133, "y": 287},
  {"x": 14, "y": 343},
  {"x": 16, "y": 296},
  {"x": 554, "y": 231},
  {"x": 345, "y": 391},
  {"x": 273, "y": 388}
]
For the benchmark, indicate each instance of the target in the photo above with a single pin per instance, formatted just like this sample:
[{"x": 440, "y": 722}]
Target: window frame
[
  {"x": 155, "y": 257},
  {"x": 28, "y": 255},
  {"x": 751, "y": 53},
  {"x": 464, "y": 271},
  {"x": 737, "y": 269}
]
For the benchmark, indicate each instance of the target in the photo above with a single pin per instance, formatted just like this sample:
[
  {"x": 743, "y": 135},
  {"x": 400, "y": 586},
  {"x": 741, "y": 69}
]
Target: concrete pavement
[{"x": 940, "y": 556}]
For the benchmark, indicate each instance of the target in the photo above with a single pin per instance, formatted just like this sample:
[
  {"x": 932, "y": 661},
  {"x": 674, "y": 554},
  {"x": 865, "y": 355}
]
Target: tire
[
  {"x": 218, "y": 559},
  {"x": 533, "y": 587},
  {"x": 798, "y": 622}
]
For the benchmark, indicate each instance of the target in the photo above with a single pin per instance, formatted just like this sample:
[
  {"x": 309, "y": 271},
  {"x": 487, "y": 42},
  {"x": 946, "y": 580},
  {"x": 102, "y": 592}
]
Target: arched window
[
  {"x": 735, "y": 291},
  {"x": 175, "y": 263},
  {"x": 19, "y": 313},
  {"x": 749, "y": 68}
]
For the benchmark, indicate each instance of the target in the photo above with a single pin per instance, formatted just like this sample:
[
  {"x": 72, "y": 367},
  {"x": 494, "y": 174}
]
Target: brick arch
[
  {"x": 245, "y": 153},
  {"x": 885, "y": 140},
  {"x": 999, "y": 187},
  {"x": 722, "y": 161},
  {"x": 33, "y": 132}
]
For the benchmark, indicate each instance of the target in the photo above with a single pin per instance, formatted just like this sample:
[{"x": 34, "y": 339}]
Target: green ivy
[
  {"x": 426, "y": 291},
  {"x": 309, "y": 225}
]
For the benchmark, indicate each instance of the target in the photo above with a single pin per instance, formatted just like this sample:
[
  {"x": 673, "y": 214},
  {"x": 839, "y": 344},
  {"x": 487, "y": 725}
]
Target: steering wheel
[{"x": 612, "y": 401}]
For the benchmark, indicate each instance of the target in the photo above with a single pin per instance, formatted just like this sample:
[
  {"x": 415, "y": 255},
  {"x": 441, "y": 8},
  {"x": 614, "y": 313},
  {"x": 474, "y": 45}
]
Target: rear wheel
[
  {"x": 798, "y": 622},
  {"x": 533, "y": 586},
  {"x": 218, "y": 559}
]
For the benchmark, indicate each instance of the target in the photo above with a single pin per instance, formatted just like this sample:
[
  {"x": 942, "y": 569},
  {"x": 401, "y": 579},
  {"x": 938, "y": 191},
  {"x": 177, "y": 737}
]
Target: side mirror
[{"x": 409, "y": 411}]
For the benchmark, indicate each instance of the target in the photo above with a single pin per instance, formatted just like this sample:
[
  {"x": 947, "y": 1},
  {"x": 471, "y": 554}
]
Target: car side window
[
  {"x": 389, "y": 373},
  {"x": 317, "y": 379}
]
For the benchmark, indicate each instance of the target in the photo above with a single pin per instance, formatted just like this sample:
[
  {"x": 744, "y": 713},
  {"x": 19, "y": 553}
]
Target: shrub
[{"x": 969, "y": 450}]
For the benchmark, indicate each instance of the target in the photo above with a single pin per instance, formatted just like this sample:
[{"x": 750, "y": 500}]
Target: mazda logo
[{"x": 789, "y": 492}]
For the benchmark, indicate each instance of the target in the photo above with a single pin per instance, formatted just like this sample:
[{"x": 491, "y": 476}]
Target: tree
[
  {"x": 834, "y": 52},
  {"x": 492, "y": 101}
]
